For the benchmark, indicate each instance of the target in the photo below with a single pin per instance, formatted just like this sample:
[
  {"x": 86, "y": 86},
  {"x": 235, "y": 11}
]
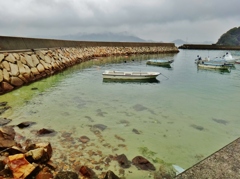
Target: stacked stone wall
[{"x": 21, "y": 68}]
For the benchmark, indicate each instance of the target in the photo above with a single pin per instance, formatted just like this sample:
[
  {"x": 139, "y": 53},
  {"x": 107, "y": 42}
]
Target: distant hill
[
  {"x": 179, "y": 42},
  {"x": 231, "y": 37},
  {"x": 105, "y": 37}
]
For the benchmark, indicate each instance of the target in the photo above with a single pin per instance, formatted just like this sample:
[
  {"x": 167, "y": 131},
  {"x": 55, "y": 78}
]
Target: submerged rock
[
  {"x": 4, "y": 103},
  {"x": 66, "y": 175},
  {"x": 123, "y": 161},
  {"x": 110, "y": 175},
  {"x": 142, "y": 163},
  {"x": 3, "y": 109},
  {"x": 136, "y": 131},
  {"x": 44, "y": 131},
  {"x": 25, "y": 124},
  {"x": 4, "y": 121},
  {"x": 100, "y": 126},
  {"x": 84, "y": 139},
  {"x": 86, "y": 172}
]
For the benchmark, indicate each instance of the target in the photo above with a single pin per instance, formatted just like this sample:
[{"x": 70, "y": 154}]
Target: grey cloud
[{"x": 145, "y": 18}]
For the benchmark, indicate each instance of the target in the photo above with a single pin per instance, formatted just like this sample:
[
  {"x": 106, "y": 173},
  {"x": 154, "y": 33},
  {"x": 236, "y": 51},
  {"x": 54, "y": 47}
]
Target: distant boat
[
  {"x": 237, "y": 61},
  {"x": 159, "y": 62},
  {"x": 129, "y": 75}
]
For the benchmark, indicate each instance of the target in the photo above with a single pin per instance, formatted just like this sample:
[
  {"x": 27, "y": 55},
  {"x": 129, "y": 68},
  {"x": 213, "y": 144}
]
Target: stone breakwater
[{"x": 21, "y": 68}]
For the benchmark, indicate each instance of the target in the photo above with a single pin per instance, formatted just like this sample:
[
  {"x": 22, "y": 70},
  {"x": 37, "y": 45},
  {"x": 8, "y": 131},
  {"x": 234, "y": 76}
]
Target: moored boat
[
  {"x": 226, "y": 59},
  {"x": 237, "y": 62},
  {"x": 129, "y": 75},
  {"x": 159, "y": 62},
  {"x": 213, "y": 66}
]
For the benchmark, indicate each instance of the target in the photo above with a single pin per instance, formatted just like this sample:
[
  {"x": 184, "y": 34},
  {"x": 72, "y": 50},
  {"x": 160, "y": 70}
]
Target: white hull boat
[
  {"x": 226, "y": 59},
  {"x": 213, "y": 66},
  {"x": 237, "y": 61},
  {"x": 124, "y": 75},
  {"x": 159, "y": 62}
]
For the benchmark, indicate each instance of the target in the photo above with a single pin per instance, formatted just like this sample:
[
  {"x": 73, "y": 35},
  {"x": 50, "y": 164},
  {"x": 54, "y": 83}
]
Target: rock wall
[{"x": 22, "y": 67}]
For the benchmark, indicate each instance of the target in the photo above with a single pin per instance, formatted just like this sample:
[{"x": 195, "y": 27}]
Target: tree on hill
[{"x": 231, "y": 37}]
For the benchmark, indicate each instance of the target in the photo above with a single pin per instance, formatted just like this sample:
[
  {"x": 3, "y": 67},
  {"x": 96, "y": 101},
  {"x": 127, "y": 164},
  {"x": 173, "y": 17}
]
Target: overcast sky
[{"x": 157, "y": 20}]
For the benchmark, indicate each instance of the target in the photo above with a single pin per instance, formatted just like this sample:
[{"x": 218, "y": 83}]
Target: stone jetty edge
[{"x": 23, "y": 64}]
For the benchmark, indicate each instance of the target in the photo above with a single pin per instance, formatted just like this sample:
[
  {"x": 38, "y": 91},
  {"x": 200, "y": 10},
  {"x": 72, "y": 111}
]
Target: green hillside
[{"x": 231, "y": 37}]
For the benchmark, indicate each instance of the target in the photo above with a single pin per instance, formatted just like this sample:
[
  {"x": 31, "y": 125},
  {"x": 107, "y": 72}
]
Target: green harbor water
[{"x": 185, "y": 116}]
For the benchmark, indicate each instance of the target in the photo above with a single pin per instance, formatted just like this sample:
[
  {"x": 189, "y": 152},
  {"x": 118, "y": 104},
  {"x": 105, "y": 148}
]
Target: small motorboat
[
  {"x": 237, "y": 62},
  {"x": 159, "y": 62},
  {"x": 209, "y": 65},
  {"x": 226, "y": 60},
  {"x": 129, "y": 75}
]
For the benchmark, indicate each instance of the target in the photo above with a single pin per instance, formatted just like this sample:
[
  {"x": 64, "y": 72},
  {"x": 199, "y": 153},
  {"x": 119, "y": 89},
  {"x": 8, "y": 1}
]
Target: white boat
[
  {"x": 159, "y": 62},
  {"x": 208, "y": 65},
  {"x": 199, "y": 59},
  {"x": 131, "y": 75},
  {"x": 237, "y": 61}
]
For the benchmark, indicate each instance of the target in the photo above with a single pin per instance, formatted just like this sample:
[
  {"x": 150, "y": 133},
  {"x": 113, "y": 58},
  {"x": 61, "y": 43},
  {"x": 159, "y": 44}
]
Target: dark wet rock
[
  {"x": 15, "y": 150},
  {"x": 220, "y": 121},
  {"x": 2, "y": 164},
  {"x": 84, "y": 139},
  {"x": 4, "y": 121},
  {"x": 25, "y": 124},
  {"x": 6, "y": 173},
  {"x": 123, "y": 161},
  {"x": 66, "y": 175},
  {"x": 100, "y": 127},
  {"x": 139, "y": 107},
  {"x": 142, "y": 163},
  {"x": 44, "y": 131},
  {"x": 200, "y": 128},
  {"x": 136, "y": 131},
  {"x": 110, "y": 175},
  {"x": 86, "y": 172}
]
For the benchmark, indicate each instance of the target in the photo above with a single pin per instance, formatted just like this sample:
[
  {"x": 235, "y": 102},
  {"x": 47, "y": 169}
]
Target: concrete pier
[
  {"x": 208, "y": 47},
  {"x": 223, "y": 164}
]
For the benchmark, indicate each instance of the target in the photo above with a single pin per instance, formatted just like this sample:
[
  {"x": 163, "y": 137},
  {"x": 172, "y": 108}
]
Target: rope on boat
[{"x": 164, "y": 76}]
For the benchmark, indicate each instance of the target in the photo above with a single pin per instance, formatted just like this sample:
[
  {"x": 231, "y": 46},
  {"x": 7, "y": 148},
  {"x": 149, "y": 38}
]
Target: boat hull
[
  {"x": 213, "y": 66},
  {"x": 129, "y": 75},
  {"x": 159, "y": 62}
]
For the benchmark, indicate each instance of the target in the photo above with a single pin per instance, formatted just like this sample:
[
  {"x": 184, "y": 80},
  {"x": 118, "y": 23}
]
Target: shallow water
[{"x": 181, "y": 119}]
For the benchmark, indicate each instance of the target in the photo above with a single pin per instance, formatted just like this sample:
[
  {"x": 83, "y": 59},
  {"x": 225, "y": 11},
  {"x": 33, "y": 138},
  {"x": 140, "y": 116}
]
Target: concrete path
[{"x": 223, "y": 164}]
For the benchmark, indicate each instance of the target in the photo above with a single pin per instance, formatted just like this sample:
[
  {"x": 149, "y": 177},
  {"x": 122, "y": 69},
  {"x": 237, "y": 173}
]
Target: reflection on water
[
  {"x": 181, "y": 118},
  {"x": 221, "y": 71},
  {"x": 136, "y": 81}
]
